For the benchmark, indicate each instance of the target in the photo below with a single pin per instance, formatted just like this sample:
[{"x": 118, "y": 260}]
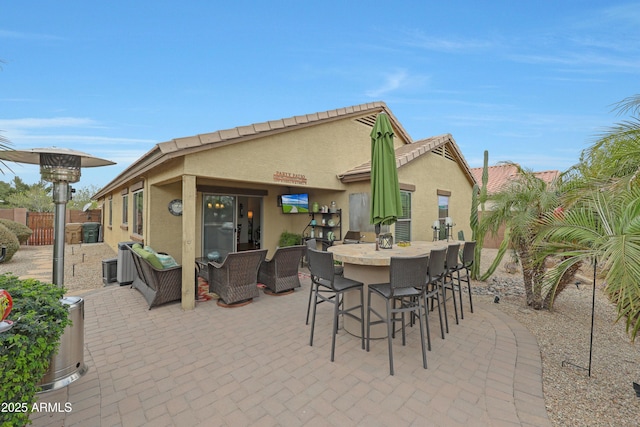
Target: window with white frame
[
  {"x": 443, "y": 212},
  {"x": 110, "y": 212},
  {"x": 125, "y": 209},
  {"x": 138, "y": 208},
  {"x": 403, "y": 225}
]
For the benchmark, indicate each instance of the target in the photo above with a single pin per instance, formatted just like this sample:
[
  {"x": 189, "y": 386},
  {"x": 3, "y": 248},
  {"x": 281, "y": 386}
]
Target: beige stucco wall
[
  {"x": 433, "y": 172},
  {"x": 318, "y": 153},
  {"x": 117, "y": 231}
]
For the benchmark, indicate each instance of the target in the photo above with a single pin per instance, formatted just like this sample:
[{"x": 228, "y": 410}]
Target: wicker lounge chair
[
  {"x": 158, "y": 286},
  {"x": 280, "y": 273},
  {"x": 235, "y": 279}
]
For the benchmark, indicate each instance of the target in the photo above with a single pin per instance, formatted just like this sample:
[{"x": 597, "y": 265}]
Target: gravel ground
[
  {"x": 572, "y": 397},
  {"x": 82, "y": 262},
  {"x": 606, "y": 398}
]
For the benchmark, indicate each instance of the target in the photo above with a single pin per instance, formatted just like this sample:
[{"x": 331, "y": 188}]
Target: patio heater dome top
[{"x": 56, "y": 164}]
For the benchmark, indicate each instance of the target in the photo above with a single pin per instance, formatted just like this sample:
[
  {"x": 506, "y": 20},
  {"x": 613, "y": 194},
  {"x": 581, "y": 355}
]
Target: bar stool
[
  {"x": 462, "y": 271},
  {"x": 338, "y": 269},
  {"x": 435, "y": 276},
  {"x": 407, "y": 278},
  {"x": 449, "y": 282},
  {"x": 330, "y": 287}
]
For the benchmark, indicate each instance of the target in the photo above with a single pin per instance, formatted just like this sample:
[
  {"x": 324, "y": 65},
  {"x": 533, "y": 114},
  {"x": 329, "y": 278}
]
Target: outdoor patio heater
[{"x": 61, "y": 166}]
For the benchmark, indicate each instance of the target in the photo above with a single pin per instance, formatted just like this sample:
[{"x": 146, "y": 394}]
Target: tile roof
[
  {"x": 443, "y": 144},
  {"x": 177, "y": 147},
  {"x": 500, "y": 175},
  {"x": 365, "y": 113},
  {"x": 259, "y": 129}
]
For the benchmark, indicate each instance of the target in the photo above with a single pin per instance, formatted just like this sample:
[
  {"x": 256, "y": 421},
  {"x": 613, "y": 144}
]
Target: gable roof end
[{"x": 410, "y": 152}]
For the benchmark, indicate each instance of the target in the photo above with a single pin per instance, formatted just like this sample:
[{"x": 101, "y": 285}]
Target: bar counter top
[{"x": 366, "y": 254}]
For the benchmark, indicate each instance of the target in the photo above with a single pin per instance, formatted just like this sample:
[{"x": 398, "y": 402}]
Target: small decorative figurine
[{"x": 6, "y": 303}]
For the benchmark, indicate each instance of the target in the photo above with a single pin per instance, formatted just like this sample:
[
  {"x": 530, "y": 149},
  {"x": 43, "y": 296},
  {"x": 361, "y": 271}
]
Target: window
[
  {"x": 110, "y": 212},
  {"x": 443, "y": 212},
  {"x": 403, "y": 225},
  {"x": 125, "y": 209},
  {"x": 138, "y": 209},
  {"x": 443, "y": 207}
]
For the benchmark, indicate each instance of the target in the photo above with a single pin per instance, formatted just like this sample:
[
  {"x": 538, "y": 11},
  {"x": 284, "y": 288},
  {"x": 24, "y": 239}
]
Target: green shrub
[
  {"x": 289, "y": 239},
  {"x": 21, "y": 231},
  {"x": 25, "y": 350},
  {"x": 8, "y": 239}
]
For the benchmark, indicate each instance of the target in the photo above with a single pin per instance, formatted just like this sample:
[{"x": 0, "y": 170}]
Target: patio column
[{"x": 188, "y": 241}]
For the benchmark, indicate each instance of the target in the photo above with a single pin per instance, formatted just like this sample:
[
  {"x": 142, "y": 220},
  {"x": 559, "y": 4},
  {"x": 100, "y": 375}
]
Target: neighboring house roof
[
  {"x": 500, "y": 175},
  {"x": 443, "y": 145},
  {"x": 365, "y": 113}
]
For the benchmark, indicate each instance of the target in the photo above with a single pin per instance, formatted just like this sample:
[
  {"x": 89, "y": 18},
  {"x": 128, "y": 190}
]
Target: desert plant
[
  {"x": 21, "y": 231},
  {"x": 25, "y": 350},
  {"x": 10, "y": 241},
  {"x": 478, "y": 199},
  {"x": 520, "y": 206},
  {"x": 604, "y": 226},
  {"x": 289, "y": 239}
]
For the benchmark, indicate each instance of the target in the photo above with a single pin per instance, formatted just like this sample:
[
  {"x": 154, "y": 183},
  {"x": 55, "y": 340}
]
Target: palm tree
[
  {"x": 604, "y": 224},
  {"x": 604, "y": 227},
  {"x": 520, "y": 207},
  {"x": 5, "y": 145},
  {"x": 615, "y": 156}
]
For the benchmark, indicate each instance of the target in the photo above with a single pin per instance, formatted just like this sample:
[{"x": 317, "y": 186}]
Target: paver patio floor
[{"x": 253, "y": 366}]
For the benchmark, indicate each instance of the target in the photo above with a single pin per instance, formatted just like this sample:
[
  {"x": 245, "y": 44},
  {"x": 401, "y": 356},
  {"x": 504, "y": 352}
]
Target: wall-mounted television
[{"x": 295, "y": 203}]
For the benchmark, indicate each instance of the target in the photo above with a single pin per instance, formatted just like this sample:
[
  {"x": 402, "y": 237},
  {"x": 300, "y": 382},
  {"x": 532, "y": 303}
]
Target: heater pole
[{"x": 60, "y": 199}]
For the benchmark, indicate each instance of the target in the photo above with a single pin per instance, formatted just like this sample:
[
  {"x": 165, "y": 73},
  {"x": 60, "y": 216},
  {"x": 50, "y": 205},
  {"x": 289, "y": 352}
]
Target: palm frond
[{"x": 606, "y": 227}]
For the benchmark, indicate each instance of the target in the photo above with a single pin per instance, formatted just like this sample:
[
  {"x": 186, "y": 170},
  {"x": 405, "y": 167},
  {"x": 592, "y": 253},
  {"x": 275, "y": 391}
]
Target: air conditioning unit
[
  {"x": 126, "y": 270},
  {"x": 109, "y": 271}
]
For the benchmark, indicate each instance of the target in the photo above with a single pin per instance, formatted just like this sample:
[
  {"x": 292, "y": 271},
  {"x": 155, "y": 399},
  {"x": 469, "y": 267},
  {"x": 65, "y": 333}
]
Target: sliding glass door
[{"x": 219, "y": 226}]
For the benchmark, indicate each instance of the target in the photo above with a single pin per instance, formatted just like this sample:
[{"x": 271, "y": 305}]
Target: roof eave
[
  {"x": 150, "y": 159},
  {"x": 177, "y": 147}
]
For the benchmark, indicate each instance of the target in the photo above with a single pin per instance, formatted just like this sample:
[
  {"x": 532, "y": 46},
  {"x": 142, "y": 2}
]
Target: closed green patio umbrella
[{"x": 386, "y": 205}]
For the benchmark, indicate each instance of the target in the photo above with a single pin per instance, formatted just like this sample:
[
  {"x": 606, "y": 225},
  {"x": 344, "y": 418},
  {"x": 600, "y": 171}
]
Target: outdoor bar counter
[{"x": 363, "y": 263}]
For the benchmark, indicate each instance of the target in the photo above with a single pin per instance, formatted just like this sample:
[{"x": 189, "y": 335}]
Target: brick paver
[{"x": 253, "y": 366}]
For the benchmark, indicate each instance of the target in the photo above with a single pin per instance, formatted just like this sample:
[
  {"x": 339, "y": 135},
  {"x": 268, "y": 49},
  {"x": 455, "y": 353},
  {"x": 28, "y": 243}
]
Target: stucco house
[
  {"x": 228, "y": 190},
  {"x": 498, "y": 176}
]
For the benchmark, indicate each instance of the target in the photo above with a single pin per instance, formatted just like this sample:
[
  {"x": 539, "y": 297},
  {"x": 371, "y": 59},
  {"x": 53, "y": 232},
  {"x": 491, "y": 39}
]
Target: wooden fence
[{"x": 41, "y": 223}]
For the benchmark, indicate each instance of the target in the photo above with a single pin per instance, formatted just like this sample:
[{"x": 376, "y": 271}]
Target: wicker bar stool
[
  {"x": 330, "y": 287},
  {"x": 408, "y": 276}
]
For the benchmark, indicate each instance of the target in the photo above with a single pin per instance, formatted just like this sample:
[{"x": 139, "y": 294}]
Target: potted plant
[{"x": 289, "y": 239}]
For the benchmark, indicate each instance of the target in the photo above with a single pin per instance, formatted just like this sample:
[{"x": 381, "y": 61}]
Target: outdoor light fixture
[
  {"x": 250, "y": 217},
  {"x": 436, "y": 229},
  {"x": 448, "y": 223},
  {"x": 61, "y": 166}
]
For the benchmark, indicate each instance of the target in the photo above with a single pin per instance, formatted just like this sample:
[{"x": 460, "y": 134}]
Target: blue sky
[{"x": 532, "y": 82}]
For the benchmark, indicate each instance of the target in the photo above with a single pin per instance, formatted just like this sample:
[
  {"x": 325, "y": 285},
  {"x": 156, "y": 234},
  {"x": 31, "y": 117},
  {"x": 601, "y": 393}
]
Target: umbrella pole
[{"x": 377, "y": 237}]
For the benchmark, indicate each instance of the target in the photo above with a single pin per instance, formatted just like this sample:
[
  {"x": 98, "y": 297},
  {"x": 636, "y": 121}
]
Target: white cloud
[
  {"x": 452, "y": 44},
  {"x": 39, "y": 123},
  {"x": 399, "y": 79},
  {"x": 8, "y": 34},
  {"x": 78, "y": 133}
]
